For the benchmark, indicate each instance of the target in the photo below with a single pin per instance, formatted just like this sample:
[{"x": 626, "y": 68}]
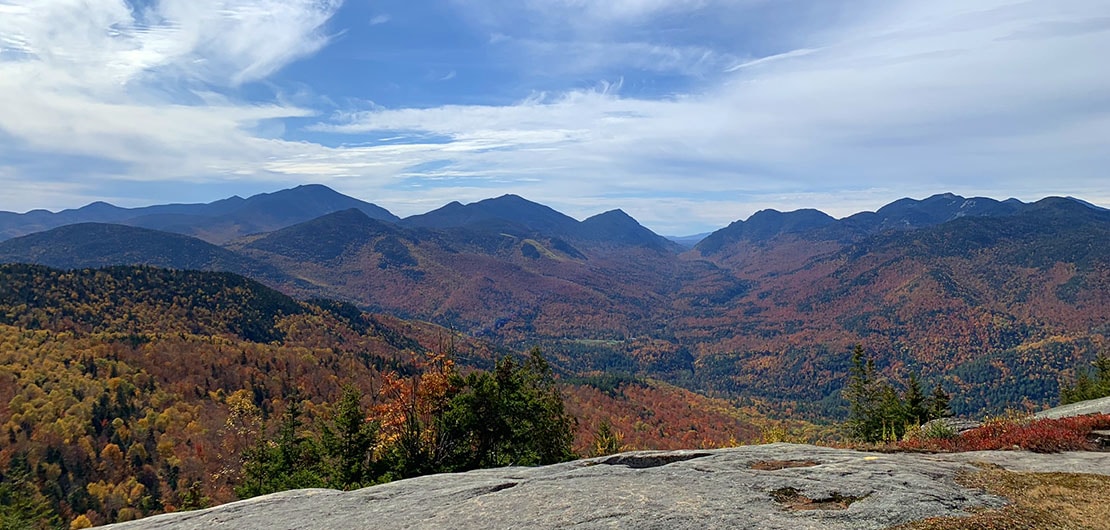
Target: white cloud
[
  {"x": 136, "y": 86},
  {"x": 993, "y": 97},
  {"x": 938, "y": 97}
]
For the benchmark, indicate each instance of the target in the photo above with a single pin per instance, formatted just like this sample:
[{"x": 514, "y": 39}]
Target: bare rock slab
[{"x": 777, "y": 486}]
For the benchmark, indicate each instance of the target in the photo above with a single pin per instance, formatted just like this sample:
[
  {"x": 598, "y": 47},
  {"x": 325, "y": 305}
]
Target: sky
[{"x": 687, "y": 114}]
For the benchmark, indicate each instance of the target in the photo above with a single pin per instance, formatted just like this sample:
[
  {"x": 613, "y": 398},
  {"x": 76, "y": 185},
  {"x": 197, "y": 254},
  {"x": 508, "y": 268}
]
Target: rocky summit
[{"x": 785, "y": 486}]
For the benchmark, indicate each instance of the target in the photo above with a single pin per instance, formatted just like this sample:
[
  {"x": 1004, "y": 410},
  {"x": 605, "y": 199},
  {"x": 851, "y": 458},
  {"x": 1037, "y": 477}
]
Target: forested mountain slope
[
  {"x": 996, "y": 300},
  {"x": 128, "y": 391}
]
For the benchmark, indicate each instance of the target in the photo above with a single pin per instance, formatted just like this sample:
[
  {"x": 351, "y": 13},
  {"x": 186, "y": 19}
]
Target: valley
[
  {"x": 140, "y": 366},
  {"x": 995, "y": 300}
]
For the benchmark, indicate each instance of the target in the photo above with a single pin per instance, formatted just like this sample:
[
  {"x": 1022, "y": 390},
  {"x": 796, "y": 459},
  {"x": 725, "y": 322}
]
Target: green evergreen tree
[
  {"x": 892, "y": 414},
  {"x": 917, "y": 406},
  {"x": 862, "y": 394},
  {"x": 606, "y": 440},
  {"x": 938, "y": 403},
  {"x": 1089, "y": 385},
  {"x": 512, "y": 416},
  {"x": 292, "y": 461},
  {"x": 349, "y": 443},
  {"x": 22, "y": 505}
]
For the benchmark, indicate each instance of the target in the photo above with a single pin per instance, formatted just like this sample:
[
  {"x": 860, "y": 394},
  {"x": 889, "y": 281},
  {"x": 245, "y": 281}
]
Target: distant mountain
[
  {"x": 995, "y": 307},
  {"x": 901, "y": 215},
  {"x": 89, "y": 245},
  {"x": 689, "y": 241},
  {"x": 510, "y": 213},
  {"x": 764, "y": 225},
  {"x": 517, "y": 216},
  {"x": 485, "y": 274},
  {"x": 905, "y": 214},
  {"x": 618, "y": 228},
  {"x": 217, "y": 222},
  {"x": 970, "y": 293},
  {"x": 324, "y": 238}
]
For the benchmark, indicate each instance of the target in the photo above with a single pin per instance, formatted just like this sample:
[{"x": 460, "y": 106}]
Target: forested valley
[{"x": 130, "y": 391}]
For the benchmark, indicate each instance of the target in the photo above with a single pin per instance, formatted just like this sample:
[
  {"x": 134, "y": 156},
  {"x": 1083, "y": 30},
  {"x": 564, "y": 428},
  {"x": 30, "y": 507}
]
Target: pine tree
[
  {"x": 606, "y": 440},
  {"x": 292, "y": 461},
  {"x": 349, "y": 443},
  {"x": 1089, "y": 385},
  {"x": 512, "y": 416},
  {"x": 22, "y": 505},
  {"x": 864, "y": 420},
  {"x": 892, "y": 414},
  {"x": 917, "y": 408},
  {"x": 938, "y": 403}
]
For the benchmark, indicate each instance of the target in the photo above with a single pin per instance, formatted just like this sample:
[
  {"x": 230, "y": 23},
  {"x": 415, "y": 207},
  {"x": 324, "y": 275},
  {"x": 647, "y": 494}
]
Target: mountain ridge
[
  {"x": 954, "y": 288},
  {"x": 218, "y": 221}
]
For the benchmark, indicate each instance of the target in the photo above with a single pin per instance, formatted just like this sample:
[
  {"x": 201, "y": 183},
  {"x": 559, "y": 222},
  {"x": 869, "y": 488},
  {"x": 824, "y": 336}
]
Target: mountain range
[
  {"x": 218, "y": 221},
  {"x": 995, "y": 300}
]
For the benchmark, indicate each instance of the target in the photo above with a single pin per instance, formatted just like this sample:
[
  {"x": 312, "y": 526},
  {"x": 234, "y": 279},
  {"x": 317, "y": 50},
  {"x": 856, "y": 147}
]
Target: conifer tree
[
  {"x": 938, "y": 403},
  {"x": 862, "y": 394},
  {"x": 1089, "y": 385},
  {"x": 606, "y": 440},
  {"x": 291, "y": 461},
  {"x": 917, "y": 406},
  {"x": 349, "y": 443}
]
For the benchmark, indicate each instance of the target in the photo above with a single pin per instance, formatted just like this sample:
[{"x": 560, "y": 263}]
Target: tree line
[
  {"x": 450, "y": 422},
  {"x": 1089, "y": 384},
  {"x": 878, "y": 412}
]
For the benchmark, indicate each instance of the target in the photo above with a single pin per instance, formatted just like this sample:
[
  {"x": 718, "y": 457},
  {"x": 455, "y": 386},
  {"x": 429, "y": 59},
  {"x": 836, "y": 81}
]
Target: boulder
[
  {"x": 956, "y": 425},
  {"x": 1093, "y": 406}
]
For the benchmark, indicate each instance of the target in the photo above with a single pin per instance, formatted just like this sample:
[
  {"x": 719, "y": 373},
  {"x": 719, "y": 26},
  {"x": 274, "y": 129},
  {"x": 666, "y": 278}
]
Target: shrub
[{"x": 1042, "y": 435}]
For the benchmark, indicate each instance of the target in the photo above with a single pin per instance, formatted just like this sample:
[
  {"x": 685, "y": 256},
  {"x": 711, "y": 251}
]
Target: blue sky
[{"x": 687, "y": 114}]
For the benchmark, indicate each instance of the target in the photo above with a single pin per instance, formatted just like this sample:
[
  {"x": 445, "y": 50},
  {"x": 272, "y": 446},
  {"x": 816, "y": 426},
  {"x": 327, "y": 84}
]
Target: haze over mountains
[
  {"x": 217, "y": 221},
  {"x": 994, "y": 299}
]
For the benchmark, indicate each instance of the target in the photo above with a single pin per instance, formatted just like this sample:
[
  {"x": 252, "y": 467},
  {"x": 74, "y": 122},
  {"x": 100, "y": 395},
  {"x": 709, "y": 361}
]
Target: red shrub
[{"x": 1042, "y": 436}]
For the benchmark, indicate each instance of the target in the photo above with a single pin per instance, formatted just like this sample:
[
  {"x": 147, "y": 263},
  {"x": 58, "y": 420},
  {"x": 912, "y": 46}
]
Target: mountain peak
[
  {"x": 614, "y": 214},
  {"x": 907, "y": 213},
  {"x": 765, "y": 225},
  {"x": 616, "y": 226},
  {"x": 511, "y": 213}
]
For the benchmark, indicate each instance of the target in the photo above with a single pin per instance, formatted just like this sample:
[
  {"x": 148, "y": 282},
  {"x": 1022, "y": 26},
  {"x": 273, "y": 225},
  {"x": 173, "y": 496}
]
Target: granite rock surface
[{"x": 775, "y": 486}]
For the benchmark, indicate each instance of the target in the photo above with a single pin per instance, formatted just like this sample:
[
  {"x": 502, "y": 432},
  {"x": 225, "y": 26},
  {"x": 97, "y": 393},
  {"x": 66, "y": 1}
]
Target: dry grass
[{"x": 1038, "y": 501}]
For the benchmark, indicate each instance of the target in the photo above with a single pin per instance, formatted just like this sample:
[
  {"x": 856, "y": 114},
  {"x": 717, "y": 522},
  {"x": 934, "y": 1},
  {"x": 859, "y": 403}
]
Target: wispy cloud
[
  {"x": 143, "y": 86},
  {"x": 378, "y": 20},
  {"x": 802, "y": 52},
  {"x": 940, "y": 100},
  {"x": 993, "y": 97}
]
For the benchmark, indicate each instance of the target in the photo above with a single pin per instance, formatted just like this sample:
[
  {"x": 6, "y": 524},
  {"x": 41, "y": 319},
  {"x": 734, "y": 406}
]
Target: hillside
[
  {"x": 128, "y": 391},
  {"x": 91, "y": 245},
  {"x": 995, "y": 300},
  {"x": 485, "y": 282},
  {"x": 996, "y": 307}
]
